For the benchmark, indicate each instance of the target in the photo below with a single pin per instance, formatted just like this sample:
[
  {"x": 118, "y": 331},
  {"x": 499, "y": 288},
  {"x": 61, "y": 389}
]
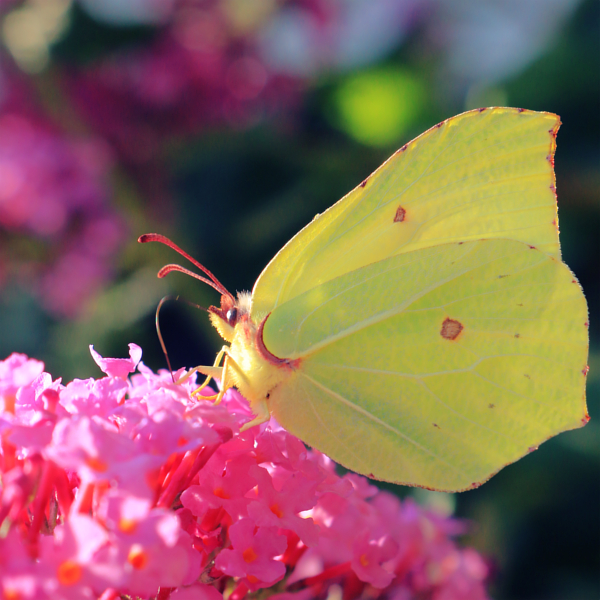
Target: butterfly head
[{"x": 230, "y": 313}]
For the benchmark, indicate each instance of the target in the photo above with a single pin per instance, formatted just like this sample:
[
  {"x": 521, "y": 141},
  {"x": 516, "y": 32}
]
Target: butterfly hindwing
[{"x": 435, "y": 367}]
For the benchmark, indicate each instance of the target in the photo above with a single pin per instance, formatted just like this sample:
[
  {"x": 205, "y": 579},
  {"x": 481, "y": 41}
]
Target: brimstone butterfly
[{"x": 423, "y": 330}]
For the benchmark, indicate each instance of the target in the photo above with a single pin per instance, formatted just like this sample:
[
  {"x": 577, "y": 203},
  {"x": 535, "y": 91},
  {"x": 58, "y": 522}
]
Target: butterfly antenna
[
  {"x": 160, "y": 337},
  {"x": 212, "y": 280}
]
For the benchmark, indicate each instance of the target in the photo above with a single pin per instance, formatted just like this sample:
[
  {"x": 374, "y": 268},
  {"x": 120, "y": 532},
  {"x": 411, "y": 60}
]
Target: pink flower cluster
[
  {"x": 55, "y": 189},
  {"x": 201, "y": 71},
  {"x": 125, "y": 485}
]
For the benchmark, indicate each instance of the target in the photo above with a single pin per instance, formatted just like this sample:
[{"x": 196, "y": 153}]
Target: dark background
[{"x": 227, "y": 126}]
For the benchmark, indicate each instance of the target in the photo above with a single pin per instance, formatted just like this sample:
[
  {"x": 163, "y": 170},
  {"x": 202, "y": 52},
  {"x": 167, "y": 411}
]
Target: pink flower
[
  {"x": 253, "y": 553},
  {"x": 369, "y": 557},
  {"x": 280, "y": 508},
  {"x": 198, "y": 591},
  {"x": 67, "y": 556},
  {"x": 54, "y": 189},
  {"x": 119, "y": 367},
  {"x": 16, "y": 371},
  {"x": 127, "y": 486}
]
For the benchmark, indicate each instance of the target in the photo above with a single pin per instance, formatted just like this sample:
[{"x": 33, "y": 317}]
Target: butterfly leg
[
  {"x": 210, "y": 372},
  {"x": 227, "y": 381},
  {"x": 261, "y": 409}
]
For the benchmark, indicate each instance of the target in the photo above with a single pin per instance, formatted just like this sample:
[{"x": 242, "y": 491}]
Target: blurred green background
[{"x": 227, "y": 125}]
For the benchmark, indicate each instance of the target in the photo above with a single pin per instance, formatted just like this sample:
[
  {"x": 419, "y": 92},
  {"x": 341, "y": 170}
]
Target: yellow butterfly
[{"x": 423, "y": 330}]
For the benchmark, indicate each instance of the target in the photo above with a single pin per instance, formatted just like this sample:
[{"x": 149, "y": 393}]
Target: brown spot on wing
[
  {"x": 364, "y": 183},
  {"x": 451, "y": 329},
  {"x": 491, "y": 405},
  {"x": 400, "y": 215}
]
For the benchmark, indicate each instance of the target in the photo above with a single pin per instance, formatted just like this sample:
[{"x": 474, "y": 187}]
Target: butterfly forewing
[{"x": 478, "y": 175}]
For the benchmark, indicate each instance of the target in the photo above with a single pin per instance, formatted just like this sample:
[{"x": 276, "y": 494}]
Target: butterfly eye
[{"x": 232, "y": 316}]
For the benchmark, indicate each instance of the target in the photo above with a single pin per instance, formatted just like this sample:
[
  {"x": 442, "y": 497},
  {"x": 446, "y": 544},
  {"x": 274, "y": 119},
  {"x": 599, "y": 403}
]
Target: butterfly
[{"x": 423, "y": 330}]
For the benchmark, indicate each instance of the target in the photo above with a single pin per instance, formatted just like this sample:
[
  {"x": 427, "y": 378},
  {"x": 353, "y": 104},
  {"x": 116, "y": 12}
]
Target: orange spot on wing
[
  {"x": 451, "y": 329},
  {"x": 400, "y": 215}
]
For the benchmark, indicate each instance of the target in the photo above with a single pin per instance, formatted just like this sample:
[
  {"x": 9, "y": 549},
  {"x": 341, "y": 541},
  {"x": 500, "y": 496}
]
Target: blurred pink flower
[{"x": 54, "y": 190}]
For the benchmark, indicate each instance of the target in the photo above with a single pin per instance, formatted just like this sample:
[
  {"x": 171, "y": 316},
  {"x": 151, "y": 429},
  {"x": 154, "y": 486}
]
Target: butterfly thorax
[{"x": 251, "y": 368}]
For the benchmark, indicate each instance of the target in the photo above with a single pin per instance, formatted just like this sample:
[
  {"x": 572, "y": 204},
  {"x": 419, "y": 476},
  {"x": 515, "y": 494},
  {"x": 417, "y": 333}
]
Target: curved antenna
[
  {"x": 214, "y": 282},
  {"x": 168, "y": 268},
  {"x": 160, "y": 337}
]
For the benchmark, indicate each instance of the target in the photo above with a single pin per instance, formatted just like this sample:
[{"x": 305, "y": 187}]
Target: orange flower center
[
  {"x": 137, "y": 557},
  {"x": 249, "y": 555},
  {"x": 68, "y": 572},
  {"x": 96, "y": 464},
  {"x": 127, "y": 525},
  {"x": 221, "y": 493}
]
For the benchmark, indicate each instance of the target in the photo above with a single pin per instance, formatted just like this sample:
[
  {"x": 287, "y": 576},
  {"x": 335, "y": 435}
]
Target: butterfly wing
[
  {"x": 435, "y": 367},
  {"x": 483, "y": 174}
]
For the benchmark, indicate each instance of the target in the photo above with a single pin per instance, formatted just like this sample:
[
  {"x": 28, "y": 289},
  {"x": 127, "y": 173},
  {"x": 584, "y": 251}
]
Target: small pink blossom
[
  {"x": 119, "y": 367},
  {"x": 15, "y": 371},
  {"x": 253, "y": 553}
]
